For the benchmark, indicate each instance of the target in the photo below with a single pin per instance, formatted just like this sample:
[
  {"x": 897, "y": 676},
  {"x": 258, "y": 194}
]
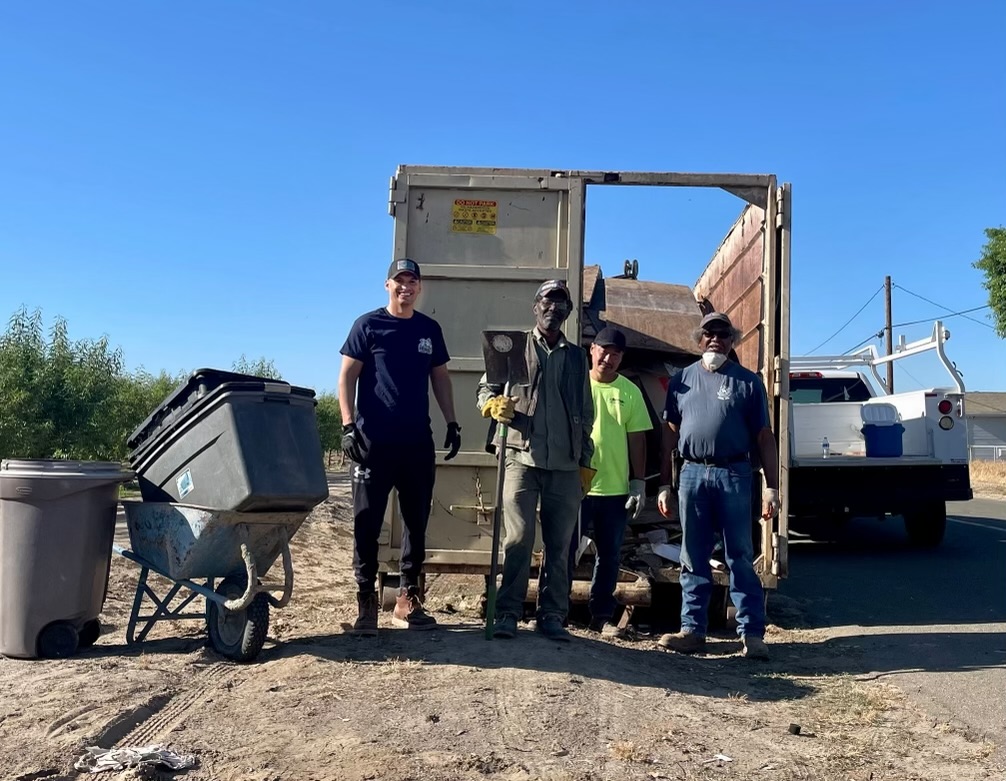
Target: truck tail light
[
  {"x": 946, "y": 423},
  {"x": 805, "y": 375},
  {"x": 945, "y": 406}
]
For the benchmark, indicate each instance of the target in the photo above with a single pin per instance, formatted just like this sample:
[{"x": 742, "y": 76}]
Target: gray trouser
[{"x": 559, "y": 496}]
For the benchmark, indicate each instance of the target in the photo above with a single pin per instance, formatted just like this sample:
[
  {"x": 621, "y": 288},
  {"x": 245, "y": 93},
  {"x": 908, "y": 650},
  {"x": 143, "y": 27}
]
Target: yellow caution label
[{"x": 468, "y": 216}]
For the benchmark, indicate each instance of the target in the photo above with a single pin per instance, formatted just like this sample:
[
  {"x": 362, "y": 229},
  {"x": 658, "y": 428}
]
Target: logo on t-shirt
[
  {"x": 426, "y": 346},
  {"x": 724, "y": 393},
  {"x": 361, "y": 474}
]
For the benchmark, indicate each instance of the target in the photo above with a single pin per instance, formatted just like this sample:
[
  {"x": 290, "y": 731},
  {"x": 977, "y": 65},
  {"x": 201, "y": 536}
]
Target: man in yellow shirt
[{"x": 618, "y": 489}]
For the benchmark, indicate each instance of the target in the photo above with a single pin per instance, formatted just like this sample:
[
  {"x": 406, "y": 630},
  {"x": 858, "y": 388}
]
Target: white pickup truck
[{"x": 854, "y": 452}]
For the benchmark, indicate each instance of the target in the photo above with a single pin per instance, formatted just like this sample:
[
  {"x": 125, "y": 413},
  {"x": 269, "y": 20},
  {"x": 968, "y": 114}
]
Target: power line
[
  {"x": 866, "y": 341},
  {"x": 858, "y": 313},
  {"x": 946, "y": 308},
  {"x": 955, "y": 314}
]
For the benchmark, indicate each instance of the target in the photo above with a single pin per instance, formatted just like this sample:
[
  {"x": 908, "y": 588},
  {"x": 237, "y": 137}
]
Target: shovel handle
[{"x": 497, "y": 523}]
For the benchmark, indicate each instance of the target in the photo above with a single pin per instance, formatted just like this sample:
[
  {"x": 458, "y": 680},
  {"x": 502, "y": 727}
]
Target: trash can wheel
[
  {"x": 237, "y": 634},
  {"x": 58, "y": 640},
  {"x": 89, "y": 633}
]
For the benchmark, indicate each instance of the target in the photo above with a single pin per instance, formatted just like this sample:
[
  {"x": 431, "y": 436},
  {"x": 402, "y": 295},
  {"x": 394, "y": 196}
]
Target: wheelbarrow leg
[{"x": 141, "y": 586}]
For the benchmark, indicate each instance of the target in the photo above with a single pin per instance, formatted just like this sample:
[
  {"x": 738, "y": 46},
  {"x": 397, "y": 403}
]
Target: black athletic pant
[{"x": 411, "y": 469}]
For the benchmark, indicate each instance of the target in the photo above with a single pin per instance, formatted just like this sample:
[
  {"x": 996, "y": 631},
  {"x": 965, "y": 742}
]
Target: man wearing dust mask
[{"x": 717, "y": 417}]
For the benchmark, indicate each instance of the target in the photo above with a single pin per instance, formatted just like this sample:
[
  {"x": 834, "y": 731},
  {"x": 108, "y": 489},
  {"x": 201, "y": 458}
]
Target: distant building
[{"x": 986, "y": 414}]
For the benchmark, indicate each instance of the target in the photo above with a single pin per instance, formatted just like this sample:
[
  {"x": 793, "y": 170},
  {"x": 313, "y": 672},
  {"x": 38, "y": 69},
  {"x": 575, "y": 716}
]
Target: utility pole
[{"x": 890, "y": 336}]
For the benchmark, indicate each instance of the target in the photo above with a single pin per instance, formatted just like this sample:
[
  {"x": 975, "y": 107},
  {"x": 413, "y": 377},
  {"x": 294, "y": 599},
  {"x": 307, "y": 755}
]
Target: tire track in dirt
[{"x": 155, "y": 720}]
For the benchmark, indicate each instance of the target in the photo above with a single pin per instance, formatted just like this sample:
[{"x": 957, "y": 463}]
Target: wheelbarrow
[{"x": 184, "y": 544}]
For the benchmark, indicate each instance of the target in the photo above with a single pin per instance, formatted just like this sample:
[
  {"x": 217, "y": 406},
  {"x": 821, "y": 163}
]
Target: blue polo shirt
[
  {"x": 718, "y": 414},
  {"x": 393, "y": 392}
]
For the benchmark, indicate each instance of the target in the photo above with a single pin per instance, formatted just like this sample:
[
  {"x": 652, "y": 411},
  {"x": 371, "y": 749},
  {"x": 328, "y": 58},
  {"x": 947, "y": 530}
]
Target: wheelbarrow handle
[
  {"x": 287, "y": 573},
  {"x": 251, "y": 587}
]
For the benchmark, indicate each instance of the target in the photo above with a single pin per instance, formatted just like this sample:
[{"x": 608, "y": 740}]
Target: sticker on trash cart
[
  {"x": 468, "y": 216},
  {"x": 184, "y": 483}
]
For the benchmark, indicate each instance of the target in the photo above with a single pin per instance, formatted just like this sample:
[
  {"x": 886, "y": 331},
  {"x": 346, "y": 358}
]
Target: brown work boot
[
  {"x": 755, "y": 648},
  {"x": 409, "y": 612},
  {"x": 683, "y": 642},
  {"x": 366, "y": 622}
]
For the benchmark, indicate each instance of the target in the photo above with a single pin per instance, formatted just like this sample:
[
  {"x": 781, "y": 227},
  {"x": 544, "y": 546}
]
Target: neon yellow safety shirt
[{"x": 619, "y": 410}]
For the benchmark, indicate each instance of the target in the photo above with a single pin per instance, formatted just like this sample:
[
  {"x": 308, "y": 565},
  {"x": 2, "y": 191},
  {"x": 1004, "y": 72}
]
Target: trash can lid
[
  {"x": 879, "y": 414},
  {"x": 60, "y": 468}
]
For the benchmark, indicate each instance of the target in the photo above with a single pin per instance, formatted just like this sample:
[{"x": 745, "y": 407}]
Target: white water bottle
[{"x": 825, "y": 448}]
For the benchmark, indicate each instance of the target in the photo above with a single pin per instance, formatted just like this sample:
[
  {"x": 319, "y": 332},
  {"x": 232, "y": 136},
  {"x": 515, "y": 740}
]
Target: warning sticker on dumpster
[
  {"x": 184, "y": 483},
  {"x": 469, "y": 216}
]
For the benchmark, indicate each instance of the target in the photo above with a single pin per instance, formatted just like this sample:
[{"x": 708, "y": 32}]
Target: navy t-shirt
[
  {"x": 718, "y": 414},
  {"x": 393, "y": 392}
]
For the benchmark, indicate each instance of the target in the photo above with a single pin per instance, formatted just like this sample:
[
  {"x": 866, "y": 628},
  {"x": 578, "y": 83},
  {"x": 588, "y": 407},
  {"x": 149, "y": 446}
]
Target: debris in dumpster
[
  {"x": 100, "y": 760},
  {"x": 668, "y": 551}
]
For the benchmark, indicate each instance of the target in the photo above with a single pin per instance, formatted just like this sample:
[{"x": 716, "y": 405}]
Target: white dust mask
[{"x": 713, "y": 360}]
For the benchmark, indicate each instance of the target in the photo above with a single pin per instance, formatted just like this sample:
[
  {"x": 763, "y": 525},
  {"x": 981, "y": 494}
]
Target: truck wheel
[{"x": 926, "y": 524}]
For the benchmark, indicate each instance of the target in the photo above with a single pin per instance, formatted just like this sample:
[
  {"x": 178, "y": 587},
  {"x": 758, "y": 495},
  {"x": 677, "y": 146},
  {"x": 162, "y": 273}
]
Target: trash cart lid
[{"x": 62, "y": 469}]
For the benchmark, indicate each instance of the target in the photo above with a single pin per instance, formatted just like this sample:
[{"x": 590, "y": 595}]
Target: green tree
[
  {"x": 993, "y": 264},
  {"x": 329, "y": 422},
  {"x": 57, "y": 396},
  {"x": 260, "y": 367}
]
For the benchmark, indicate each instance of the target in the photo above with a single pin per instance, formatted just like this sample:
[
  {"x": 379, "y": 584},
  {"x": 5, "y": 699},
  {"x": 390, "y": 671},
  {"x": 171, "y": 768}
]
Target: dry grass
[
  {"x": 988, "y": 478},
  {"x": 627, "y": 751}
]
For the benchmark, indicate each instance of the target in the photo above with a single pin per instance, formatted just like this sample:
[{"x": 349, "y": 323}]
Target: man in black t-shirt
[{"x": 391, "y": 357}]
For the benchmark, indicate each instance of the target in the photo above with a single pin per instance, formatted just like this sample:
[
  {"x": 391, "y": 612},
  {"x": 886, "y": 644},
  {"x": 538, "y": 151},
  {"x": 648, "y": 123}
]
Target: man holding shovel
[
  {"x": 619, "y": 487},
  {"x": 389, "y": 361},
  {"x": 547, "y": 461}
]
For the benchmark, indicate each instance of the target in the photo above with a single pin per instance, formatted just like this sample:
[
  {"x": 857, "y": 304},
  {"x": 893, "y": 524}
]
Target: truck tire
[{"x": 926, "y": 524}]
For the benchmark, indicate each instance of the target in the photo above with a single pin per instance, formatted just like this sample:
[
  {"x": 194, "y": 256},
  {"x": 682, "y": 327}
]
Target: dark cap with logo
[
  {"x": 715, "y": 318},
  {"x": 404, "y": 266},
  {"x": 609, "y": 336},
  {"x": 553, "y": 286}
]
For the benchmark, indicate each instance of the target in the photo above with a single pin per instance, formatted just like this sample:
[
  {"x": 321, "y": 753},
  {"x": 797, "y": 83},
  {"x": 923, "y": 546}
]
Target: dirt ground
[{"x": 319, "y": 703}]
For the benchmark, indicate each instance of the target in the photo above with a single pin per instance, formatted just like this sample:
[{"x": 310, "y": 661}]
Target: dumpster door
[{"x": 485, "y": 239}]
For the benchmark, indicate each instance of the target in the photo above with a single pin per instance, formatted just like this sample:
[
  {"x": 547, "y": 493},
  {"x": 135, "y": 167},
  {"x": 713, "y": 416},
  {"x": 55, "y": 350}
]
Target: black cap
[
  {"x": 553, "y": 286},
  {"x": 609, "y": 336},
  {"x": 404, "y": 266},
  {"x": 715, "y": 317}
]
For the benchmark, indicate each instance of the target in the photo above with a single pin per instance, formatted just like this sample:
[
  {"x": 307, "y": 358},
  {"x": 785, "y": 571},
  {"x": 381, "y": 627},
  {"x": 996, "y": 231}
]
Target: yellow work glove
[
  {"x": 586, "y": 478},
  {"x": 500, "y": 409}
]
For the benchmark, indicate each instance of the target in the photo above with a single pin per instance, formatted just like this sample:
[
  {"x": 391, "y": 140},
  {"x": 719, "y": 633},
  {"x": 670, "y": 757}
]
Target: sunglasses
[{"x": 718, "y": 333}]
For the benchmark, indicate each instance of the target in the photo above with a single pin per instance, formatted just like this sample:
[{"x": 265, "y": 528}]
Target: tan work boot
[
  {"x": 366, "y": 622},
  {"x": 409, "y": 612},
  {"x": 754, "y": 648},
  {"x": 683, "y": 642}
]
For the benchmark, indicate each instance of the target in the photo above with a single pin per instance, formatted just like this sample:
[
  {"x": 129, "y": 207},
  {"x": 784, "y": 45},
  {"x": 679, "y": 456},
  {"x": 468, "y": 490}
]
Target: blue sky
[{"x": 203, "y": 180}]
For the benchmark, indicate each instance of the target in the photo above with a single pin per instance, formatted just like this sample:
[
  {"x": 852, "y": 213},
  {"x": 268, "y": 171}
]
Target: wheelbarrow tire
[{"x": 238, "y": 635}]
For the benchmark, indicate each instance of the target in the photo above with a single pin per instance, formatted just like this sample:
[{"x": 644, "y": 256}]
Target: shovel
[{"x": 506, "y": 365}]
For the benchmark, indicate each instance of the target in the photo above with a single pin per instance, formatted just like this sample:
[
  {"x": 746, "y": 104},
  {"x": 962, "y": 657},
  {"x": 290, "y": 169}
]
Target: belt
[{"x": 719, "y": 461}]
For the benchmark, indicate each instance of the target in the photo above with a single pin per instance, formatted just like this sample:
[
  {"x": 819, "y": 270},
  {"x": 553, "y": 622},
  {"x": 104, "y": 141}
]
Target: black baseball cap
[
  {"x": 404, "y": 266},
  {"x": 715, "y": 317},
  {"x": 553, "y": 286},
  {"x": 609, "y": 336}
]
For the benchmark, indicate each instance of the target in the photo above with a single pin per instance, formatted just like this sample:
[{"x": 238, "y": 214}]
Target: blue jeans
[
  {"x": 712, "y": 499},
  {"x": 559, "y": 496},
  {"x": 603, "y": 519}
]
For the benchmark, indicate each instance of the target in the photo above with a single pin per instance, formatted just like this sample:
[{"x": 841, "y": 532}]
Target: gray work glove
[{"x": 637, "y": 498}]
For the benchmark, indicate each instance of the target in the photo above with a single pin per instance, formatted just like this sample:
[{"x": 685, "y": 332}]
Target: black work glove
[
  {"x": 453, "y": 440},
  {"x": 351, "y": 442}
]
